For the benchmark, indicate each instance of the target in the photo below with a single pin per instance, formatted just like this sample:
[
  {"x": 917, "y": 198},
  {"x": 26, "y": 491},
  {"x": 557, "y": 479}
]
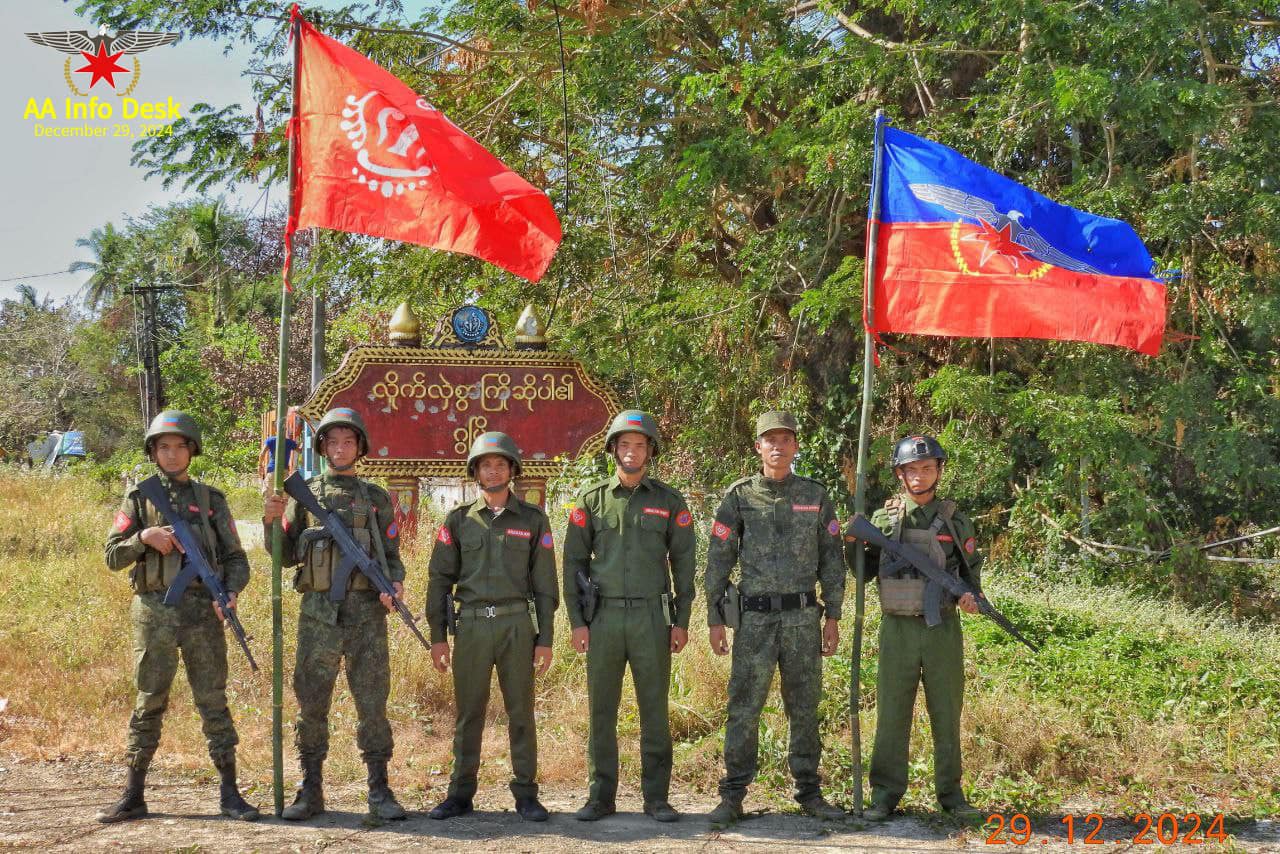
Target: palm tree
[
  {"x": 110, "y": 248},
  {"x": 206, "y": 236}
]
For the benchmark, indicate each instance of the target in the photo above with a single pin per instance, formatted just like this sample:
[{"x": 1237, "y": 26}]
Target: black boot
[
  {"x": 131, "y": 805},
  {"x": 310, "y": 799},
  {"x": 229, "y": 793},
  {"x": 382, "y": 803}
]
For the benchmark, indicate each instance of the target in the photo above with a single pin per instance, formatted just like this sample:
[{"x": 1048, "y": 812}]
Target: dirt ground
[{"x": 49, "y": 806}]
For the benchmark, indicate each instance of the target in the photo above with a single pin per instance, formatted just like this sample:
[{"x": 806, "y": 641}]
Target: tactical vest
[
  {"x": 154, "y": 572},
  {"x": 903, "y": 592},
  {"x": 319, "y": 554}
]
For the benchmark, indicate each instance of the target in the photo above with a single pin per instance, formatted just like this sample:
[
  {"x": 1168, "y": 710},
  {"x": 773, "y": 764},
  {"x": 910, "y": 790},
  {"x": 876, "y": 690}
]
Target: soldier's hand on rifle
[
  {"x": 440, "y": 656},
  {"x": 541, "y": 659},
  {"x": 217, "y": 609},
  {"x": 679, "y": 638},
  {"x": 830, "y": 636},
  {"x": 387, "y": 601},
  {"x": 273, "y": 507},
  {"x": 969, "y": 604},
  {"x": 719, "y": 640},
  {"x": 161, "y": 539},
  {"x": 581, "y": 639}
]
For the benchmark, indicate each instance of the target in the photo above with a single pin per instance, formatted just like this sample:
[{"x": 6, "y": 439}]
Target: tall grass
[{"x": 1133, "y": 702}]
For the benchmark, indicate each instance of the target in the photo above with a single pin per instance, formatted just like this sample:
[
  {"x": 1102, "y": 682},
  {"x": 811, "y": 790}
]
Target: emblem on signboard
[{"x": 471, "y": 324}]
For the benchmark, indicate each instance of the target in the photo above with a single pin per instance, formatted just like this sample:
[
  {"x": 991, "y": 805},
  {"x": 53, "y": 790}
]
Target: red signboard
[{"x": 424, "y": 406}]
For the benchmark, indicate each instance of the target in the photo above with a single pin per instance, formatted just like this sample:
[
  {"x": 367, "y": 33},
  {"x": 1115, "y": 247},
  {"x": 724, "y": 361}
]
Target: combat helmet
[
  {"x": 343, "y": 416},
  {"x": 911, "y": 449},
  {"x": 494, "y": 442},
  {"x": 634, "y": 421},
  {"x": 176, "y": 422}
]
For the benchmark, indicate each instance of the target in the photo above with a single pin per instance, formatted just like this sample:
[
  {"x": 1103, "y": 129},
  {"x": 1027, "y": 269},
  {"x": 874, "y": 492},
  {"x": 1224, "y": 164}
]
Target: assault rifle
[
  {"x": 353, "y": 556},
  {"x": 194, "y": 563},
  {"x": 940, "y": 580}
]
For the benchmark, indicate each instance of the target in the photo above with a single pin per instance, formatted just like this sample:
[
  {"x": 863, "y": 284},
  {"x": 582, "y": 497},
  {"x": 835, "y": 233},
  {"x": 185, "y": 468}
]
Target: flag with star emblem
[{"x": 964, "y": 251}]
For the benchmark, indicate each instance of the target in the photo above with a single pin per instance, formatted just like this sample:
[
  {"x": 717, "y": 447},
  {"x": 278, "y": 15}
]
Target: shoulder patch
[
  {"x": 393, "y": 530},
  {"x": 833, "y": 527},
  {"x": 121, "y": 522},
  {"x": 444, "y": 536},
  {"x": 720, "y": 531},
  {"x": 578, "y": 517},
  {"x": 970, "y": 545},
  {"x": 548, "y": 542},
  {"x": 684, "y": 519}
]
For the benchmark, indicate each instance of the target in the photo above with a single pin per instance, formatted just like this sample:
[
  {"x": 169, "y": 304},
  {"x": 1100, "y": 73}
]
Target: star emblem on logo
[
  {"x": 102, "y": 66},
  {"x": 998, "y": 241}
]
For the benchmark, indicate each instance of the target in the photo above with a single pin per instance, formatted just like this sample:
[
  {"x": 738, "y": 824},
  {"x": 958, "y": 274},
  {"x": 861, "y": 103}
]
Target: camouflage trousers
[
  {"x": 912, "y": 653},
  {"x": 354, "y": 632},
  {"x": 791, "y": 643},
  {"x": 160, "y": 633}
]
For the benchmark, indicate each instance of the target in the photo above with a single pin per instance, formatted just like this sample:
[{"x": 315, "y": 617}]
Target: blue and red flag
[{"x": 964, "y": 251}]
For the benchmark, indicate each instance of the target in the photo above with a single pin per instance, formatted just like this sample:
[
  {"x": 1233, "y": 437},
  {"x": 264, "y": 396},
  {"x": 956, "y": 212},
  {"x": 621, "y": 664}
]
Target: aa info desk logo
[{"x": 96, "y": 61}]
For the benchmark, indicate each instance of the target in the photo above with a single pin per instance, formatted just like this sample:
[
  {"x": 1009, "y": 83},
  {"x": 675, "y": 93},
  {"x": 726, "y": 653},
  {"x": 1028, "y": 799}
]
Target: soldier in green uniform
[
  {"x": 630, "y": 536},
  {"x": 140, "y": 540},
  {"x": 910, "y": 651},
  {"x": 493, "y": 557},
  {"x": 355, "y": 628},
  {"x": 781, "y": 530}
]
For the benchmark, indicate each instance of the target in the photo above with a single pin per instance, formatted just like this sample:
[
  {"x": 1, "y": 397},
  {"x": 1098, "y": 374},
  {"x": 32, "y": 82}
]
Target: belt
[
  {"x": 631, "y": 601},
  {"x": 488, "y": 612},
  {"x": 780, "y": 601}
]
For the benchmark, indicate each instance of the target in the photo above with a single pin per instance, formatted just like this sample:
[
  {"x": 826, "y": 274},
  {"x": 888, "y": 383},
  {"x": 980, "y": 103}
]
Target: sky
[{"x": 60, "y": 189}]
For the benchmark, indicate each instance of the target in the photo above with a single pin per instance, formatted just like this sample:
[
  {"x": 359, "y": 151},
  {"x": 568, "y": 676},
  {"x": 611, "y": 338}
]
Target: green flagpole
[
  {"x": 282, "y": 384},
  {"x": 860, "y": 488}
]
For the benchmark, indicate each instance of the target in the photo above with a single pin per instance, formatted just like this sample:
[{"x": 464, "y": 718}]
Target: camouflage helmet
[
  {"x": 912, "y": 449},
  {"x": 176, "y": 422},
  {"x": 634, "y": 421},
  {"x": 343, "y": 416},
  {"x": 494, "y": 442},
  {"x": 776, "y": 420}
]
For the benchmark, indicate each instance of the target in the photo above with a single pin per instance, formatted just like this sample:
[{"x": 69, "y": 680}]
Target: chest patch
[
  {"x": 806, "y": 508},
  {"x": 945, "y": 538},
  {"x": 657, "y": 511},
  {"x": 520, "y": 532}
]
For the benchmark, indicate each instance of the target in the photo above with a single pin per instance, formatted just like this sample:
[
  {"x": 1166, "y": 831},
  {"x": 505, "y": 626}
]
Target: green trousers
[
  {"x": 160, "y": 633},
  {"x": 791, "y": 643},
  {"x": 482, "y": 645},
  {"x": 911, "y": 652},
  {"x": 352, "y": 632},
  {"x": 637, "y": 635}
]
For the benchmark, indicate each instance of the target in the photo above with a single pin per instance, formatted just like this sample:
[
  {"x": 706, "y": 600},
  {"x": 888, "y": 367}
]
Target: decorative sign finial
[
  {"x": 406, "y": 331},
  {"x": 530, "y": 333}
]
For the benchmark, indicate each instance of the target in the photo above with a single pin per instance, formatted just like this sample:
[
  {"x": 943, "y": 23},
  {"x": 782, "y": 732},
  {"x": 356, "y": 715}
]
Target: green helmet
[
  {"x": 634, "y": 421},
  {"x": 176, "y": 422},
  {"x": 343, "y": 416},
  {"x": 776, "y": 420},
  {"x": 494, "y": 442},
  {"x": 912, "y": 449}
]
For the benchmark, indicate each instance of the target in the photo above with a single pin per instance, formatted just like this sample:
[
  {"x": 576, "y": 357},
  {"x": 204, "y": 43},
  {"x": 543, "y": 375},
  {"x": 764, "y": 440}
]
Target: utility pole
[{"x": 149, "y": 349}]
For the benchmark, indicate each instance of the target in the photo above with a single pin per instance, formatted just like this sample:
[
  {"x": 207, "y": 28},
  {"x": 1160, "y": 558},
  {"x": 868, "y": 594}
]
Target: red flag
[{"x": 376, "y": 158}]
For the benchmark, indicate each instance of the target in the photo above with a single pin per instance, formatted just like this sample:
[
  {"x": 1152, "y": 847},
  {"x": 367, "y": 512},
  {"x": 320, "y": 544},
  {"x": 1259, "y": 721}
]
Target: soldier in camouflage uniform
[
  {"x": 494, "y": 556},
  {"x": 781, "y": 530},
  {"x": 630, "y": 535},
  {"x": 140, "y": 540},
  {"x": 910, "y": 651},
  {"x": 355, "y": 628}
]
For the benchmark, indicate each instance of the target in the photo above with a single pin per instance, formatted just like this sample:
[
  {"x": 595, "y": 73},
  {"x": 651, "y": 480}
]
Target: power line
[{"x": 39, "y": 275}]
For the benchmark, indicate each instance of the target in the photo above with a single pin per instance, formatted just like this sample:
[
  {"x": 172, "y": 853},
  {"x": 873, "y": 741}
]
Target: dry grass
[{"x": 1133, "y": 702}]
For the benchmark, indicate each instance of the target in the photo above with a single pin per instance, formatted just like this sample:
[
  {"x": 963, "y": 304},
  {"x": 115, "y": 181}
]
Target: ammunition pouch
[
  {"x": 320, "y": 556},
  {"x": 730, "y": 606},
  {"x": 902, "y": 588},
  {"x": 155, "y": 572}
]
